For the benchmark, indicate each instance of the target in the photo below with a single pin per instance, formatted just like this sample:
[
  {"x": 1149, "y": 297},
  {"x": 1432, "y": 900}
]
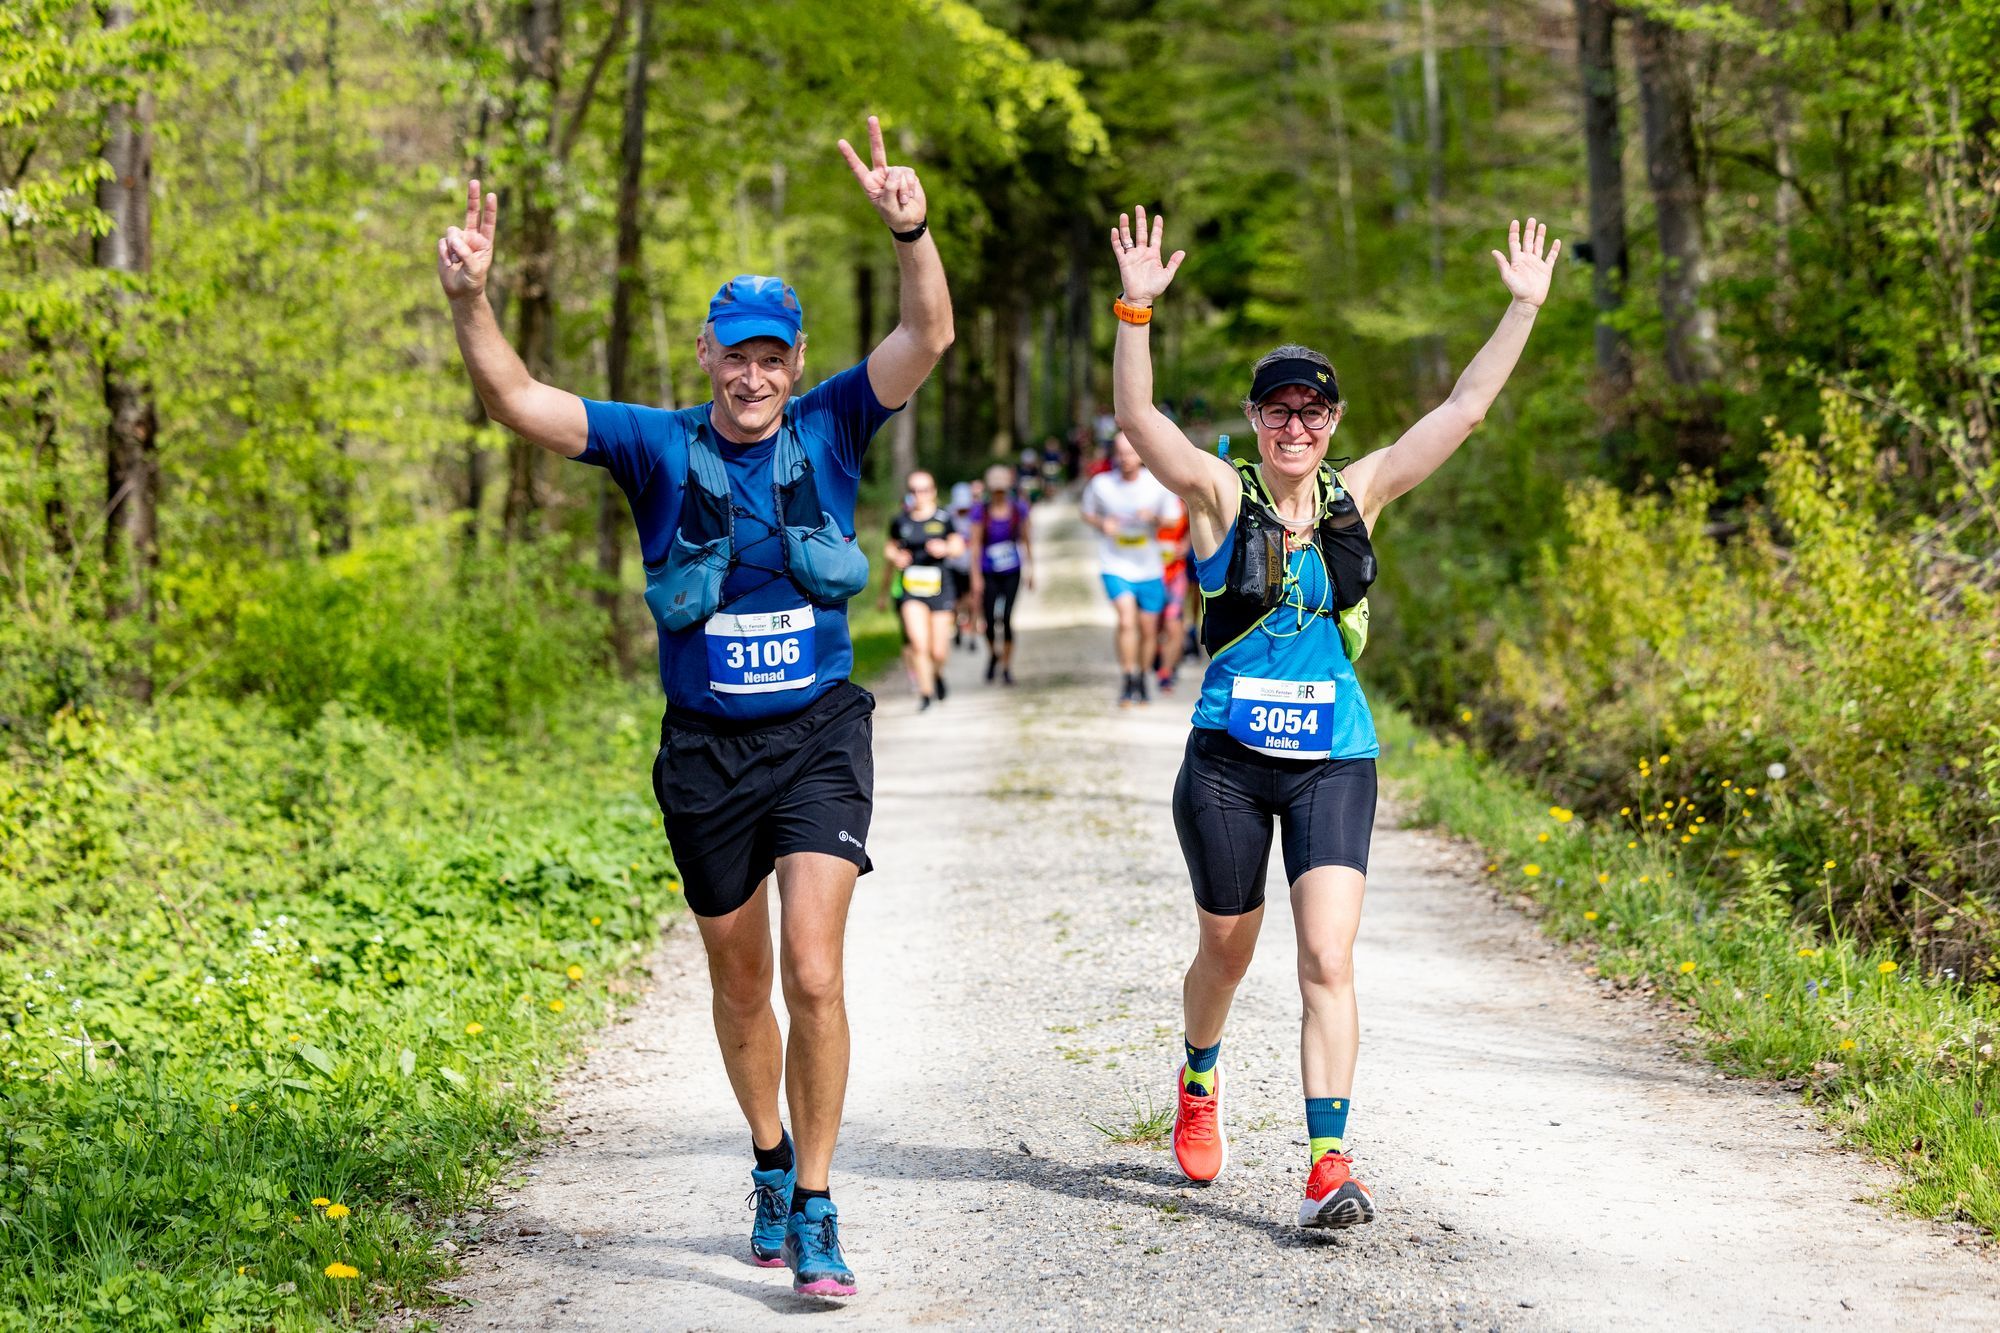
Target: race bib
[
  {"x": 1003, "y": 557},
  {"x": 1133, "y": 539},
  {"x": 923, "y": 580},
  {"x": 1292, "y": 719},
  {"x": 761, "y": 652}
]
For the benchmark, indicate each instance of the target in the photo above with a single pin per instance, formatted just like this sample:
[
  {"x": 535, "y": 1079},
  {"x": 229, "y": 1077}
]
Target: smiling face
[
  {"x": 751, "y": 382},
  {"x": 1293, "y": 451}
]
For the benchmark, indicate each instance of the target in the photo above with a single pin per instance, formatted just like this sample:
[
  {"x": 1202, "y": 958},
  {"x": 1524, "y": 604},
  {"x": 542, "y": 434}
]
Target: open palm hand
[
  {"x": 1140, "y": 267},
  {"x": 1524, "y": 268}
]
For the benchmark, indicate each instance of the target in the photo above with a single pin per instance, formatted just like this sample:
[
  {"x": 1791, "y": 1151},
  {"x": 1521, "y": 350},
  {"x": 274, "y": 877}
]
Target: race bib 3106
[
  {"x": 1292, "y": 719},
  {"x": 761, "y": 652}
]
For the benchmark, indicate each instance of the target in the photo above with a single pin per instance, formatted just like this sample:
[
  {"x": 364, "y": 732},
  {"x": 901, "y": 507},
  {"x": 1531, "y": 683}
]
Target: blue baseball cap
[{"x": 751, "y": 306}]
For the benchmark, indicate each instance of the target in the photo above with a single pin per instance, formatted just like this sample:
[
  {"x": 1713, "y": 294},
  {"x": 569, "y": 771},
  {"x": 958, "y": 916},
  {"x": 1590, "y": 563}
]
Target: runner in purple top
[{"x": 1001, "y": 556}]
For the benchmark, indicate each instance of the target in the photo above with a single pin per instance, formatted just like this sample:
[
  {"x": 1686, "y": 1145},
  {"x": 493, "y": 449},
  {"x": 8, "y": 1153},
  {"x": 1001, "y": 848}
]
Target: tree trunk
[
  {"x": 627, "y": 283},
  {"x": 1667, "y": 113},
  {"x": 132, "y": 469},
  {"x": 1020, "y": 354},
  {"x": 903, "y": 442},
  {"x": 1604, "y": 149},
  {"x": 1343, "y": 156},
  {"x": 48, "y": 441},
  {"x": 538, "y": 65},
  {"x": 1439, "y": 367},
  {"x": 1077, "y": 327}
]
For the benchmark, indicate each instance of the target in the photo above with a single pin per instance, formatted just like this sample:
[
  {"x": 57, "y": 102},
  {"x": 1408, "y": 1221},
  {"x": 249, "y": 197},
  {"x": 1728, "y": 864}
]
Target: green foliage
[
  {"x": 1831, "y": 646},
  {"x": 247, "y": 966},
  {"x": 1902, "y": 1058}
]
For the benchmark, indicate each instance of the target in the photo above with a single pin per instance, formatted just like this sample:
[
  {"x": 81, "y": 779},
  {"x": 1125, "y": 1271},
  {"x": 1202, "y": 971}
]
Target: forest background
[{"x": 294, "y": 640}]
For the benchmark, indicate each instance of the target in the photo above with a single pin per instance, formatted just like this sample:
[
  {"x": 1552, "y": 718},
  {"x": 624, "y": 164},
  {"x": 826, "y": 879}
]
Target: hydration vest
[
  {"x": 823, "y": 563},
  {"x": 1259, "y": 570}
]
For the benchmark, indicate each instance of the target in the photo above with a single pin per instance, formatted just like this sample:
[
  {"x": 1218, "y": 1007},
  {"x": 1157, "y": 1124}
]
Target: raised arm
[
  {"x": 551, "y": 417},
  {"x": 923, "y": 329},
  {"x": 1198, "y": 477},
  {"x": 1387, "y": 473}
]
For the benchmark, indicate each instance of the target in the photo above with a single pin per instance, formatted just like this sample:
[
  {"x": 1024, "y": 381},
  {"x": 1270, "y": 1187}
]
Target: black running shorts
[
  {"x": 1226, "y": 797},
  {"x": 736, "y": 799}
]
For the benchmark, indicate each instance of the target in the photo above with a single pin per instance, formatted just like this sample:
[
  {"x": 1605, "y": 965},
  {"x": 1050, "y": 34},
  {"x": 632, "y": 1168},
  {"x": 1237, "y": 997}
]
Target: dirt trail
[{"x": 1541, "y": 1157}]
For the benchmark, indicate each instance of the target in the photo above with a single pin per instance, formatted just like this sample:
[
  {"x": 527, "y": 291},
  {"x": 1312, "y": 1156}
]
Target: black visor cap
[{"x": 1294, "y": 370}]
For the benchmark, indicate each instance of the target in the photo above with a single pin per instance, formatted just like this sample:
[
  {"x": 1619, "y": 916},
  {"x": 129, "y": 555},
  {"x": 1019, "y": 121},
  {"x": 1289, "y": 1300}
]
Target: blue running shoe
[
  {"x": 771, "y": 1193},
  {"x": 812, "y": 1251}
]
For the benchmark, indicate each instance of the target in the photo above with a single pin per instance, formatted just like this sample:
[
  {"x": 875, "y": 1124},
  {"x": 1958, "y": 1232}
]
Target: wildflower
[
  {"x": 1631, "y": 845},
  {"x": 1775, "y": 772},
  {"x": 321, "y": 1201},
  {"x": 1809, "y": 953},
  {"x": 597, "y": 921},
  {"x": 1847, "y": 1043},
  {"x": 1603, "y": 879},
  {"x": 1645, "y": 879},
  {"x": 1687, "y": 966},
  {"x": 1624, "y": 809},
  {"x": 336, "y": 1269},
  {"x": 1560, "y": 815},
  {"x": 232, "y": 1108},
  {"x": 1543, "y": 836},
  {"x": 1725, "y": 782},
  {"x": 1687, "y": 837},
  {"x": 1491, "y": 867},
  {"x": 1829, "y": 865},
  {"x": 295, "y": 1037},
  {"x": 1767, "y": 995},
  {"x": 474, "y": 1029},
  {"x": 1590, "y": 916},
  {"x": 336, "y": 1211},
  {"x": 557, "y": 1006},
  {"x": 241, "y": 1269},
  {"x": 1465, "y": 715},
  {"x": 1886, "y": 966},
  {"x": 1531, "y": 870},
  {"x": 1663, "y": 760},
  {"x": 1749, "y": 791},
  {"x": 575, "y": 972}
]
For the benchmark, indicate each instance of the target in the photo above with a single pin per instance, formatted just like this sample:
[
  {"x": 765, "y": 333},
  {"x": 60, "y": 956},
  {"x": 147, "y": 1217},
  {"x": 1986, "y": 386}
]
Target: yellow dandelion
[
  {"x": 1465, "y": 715},
  {"x": 1590, "y": 916},
  {"x": 1847, "y": 1043},
  {"x": 1624, "y": 809},
  {"x": 1543, "y": 836},
  {"x": 232, "y": 1108},
  {"x": 1645, "y": 879},
  {"x": 1630, "y": 845},
  {"x": 1531, "y": 870},
  {"x": 1767, "y": 995},
  {"x": 597, "y": 921},
  {"x": 1809, "y": 953},
  {"x": 1687, "y": 966},
  {"x": 336, "y": 1211},
  {"x": 336, "y": 1269},
  {"x": 1663, "y": 760},
  {"x": 1749, "y": 791},
  {"x": 241, "y": 1269},
  {"x": 1491, "y": 867},
  {"x": 1686, "y": 837},
  {"x": 1560, "y": 815},
  {"x": 474, "y": 1029},
  {"x": 1604, "y": 879},
  {"x": 1886, "y": 967},
  {"x": 575, "y": 972},
  {"x": 321, "y": 1201},
  {"x": 294, "y": 1037},
  {"x": 1725, "y": 782},
  {"x": 557, "y": 1005},
  {"x": 1829, "y": 865}
]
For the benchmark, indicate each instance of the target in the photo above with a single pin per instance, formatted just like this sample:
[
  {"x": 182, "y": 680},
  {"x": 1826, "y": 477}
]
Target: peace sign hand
[
  {"x": 895, "y": 191},
  {"x": 1139, "y": 265},
  {"x": 466, "y": 253},
  {"x": 1524, "y": 268}
]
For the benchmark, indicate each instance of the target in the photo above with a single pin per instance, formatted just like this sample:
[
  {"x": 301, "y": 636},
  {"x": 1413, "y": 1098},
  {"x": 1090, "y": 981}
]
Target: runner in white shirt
[{"x": 1126, "y": 505}]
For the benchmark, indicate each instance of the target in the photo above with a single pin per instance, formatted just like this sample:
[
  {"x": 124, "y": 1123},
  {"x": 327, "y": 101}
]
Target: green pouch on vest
[{"x": 1354, "y": 629}]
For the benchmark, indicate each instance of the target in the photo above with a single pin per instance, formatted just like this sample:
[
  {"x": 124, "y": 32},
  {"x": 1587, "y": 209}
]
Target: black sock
[
  {"x": 774, "y": 1159},
  {"x": 801, "y": 1196}
]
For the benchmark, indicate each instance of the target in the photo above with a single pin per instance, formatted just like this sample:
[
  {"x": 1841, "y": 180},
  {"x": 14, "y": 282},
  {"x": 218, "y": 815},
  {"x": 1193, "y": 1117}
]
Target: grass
[
  {"x": 1148, "y": 1126},
  {"x": 1904, "y": 1064},
  {"x": 274, "y": 1005}
]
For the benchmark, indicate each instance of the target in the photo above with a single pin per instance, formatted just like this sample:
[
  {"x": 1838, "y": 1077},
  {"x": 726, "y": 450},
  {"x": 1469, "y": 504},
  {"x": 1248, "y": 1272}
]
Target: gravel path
[{"x": 1541, "y": 1156}]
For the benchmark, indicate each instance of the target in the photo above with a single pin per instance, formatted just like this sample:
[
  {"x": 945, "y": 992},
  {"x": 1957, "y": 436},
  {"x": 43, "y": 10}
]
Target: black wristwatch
[{"x": 913, "y": 233}]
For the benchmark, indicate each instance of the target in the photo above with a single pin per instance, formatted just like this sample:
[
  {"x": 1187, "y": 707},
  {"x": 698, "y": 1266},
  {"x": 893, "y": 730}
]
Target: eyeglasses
[
  {"x": 925, "y": 489},
  {"x": 1276, "y": 416}
]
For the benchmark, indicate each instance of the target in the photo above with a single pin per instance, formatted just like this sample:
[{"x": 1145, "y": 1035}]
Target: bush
[{"x": 1830, "y": 657}]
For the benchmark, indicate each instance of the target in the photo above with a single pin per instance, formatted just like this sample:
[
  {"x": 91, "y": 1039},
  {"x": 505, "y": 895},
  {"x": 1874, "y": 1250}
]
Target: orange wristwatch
[{"x": 1132, "y": 314}]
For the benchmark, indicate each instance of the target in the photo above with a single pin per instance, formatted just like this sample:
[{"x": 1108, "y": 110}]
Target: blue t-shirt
[
  {"x": 646, "y": 451},
  {"x": 1292, "y": 643}
]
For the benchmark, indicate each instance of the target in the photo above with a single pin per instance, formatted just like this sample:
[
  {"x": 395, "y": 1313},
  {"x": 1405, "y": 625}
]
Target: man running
[
  {"x": 1002, "y": 555},
  {"x": 923, "y": 540},
  {"x": 1125, "y": 505},
  {"x": 1284, "y": 557},
  {"x": 745, "y": 511}
]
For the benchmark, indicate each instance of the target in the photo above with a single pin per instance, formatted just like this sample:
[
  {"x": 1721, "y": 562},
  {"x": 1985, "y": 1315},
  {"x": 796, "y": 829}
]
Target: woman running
[
  {"x": 921, "y": 539},
  {"x": 1282, "y": 556},
  {"x": 1002, "y": 556}
]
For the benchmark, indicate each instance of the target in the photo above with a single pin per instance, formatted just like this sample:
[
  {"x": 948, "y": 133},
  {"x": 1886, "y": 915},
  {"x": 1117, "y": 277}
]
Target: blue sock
[
  {"x": 1201, "y": 1067},
  {"x": 1326, "y": 1125}
]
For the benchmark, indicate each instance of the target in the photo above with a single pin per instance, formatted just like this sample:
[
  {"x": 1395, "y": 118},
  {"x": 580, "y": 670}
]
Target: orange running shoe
[
  {"x": 1200, "y": 1145},
  {"x": 1334, "y": 1198}
]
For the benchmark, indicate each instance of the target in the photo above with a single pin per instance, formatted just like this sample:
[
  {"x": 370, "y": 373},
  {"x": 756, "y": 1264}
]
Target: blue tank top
[{"x": 1291, "y": 644}]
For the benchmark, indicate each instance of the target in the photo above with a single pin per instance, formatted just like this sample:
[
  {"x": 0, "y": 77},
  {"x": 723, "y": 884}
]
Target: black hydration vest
[{"x": 1258, "y": 570}]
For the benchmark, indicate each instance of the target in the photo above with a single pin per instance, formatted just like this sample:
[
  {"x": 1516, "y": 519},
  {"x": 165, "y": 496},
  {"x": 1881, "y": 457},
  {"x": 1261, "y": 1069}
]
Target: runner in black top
[{"x": 921, "y": 539}]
